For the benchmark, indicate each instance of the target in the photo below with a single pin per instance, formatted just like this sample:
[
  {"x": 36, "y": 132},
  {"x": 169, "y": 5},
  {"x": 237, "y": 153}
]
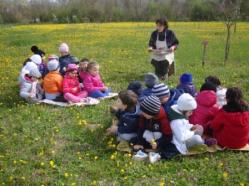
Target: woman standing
[{"x": 162, "y": 45}]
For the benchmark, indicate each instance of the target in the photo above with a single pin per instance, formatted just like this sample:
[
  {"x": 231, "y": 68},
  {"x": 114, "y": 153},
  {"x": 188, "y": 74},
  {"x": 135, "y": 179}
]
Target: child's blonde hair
[{"x": 91, "y": 65}]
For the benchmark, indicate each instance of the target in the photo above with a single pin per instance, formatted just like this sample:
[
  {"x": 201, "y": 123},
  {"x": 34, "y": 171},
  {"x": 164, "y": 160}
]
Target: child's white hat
[
  {"x": 36, "y": 59},
  {"x": 35, "y": 73},
  {"x": 53, "y": 65},
  {"x": 186, "y": 102},
  {"x": 64, "y": 48}
]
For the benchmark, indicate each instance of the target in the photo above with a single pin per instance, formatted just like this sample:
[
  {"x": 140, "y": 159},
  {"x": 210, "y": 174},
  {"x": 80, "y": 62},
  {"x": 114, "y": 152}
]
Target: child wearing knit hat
[
  {"x": 186, "y": 84},
  {"x": 71, "y": 85},
  {"x": 31, "y": 89},
  {"x": 66, "y": 58},
  {"x": 185, "y": 135},
  {"x": 150, "y": 80},
  {"x": 154, "y": 129},
  {"x": 52, "y": 82}
]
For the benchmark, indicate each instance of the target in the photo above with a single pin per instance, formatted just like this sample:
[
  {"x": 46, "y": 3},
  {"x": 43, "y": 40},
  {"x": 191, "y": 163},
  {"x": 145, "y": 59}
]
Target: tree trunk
[{"x": 227, "y": 47}]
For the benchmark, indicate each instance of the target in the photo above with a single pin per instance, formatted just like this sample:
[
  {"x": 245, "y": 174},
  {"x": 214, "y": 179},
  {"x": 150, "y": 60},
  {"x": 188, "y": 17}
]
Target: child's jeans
[
  {"x": 52, "y": 96},
  {"x": 75, "y": 98},
  {"x": 126, "y": 136},
  {"x": 151, "y": 136},
  {"x": 99, "y": 94},
  {"x": 196, "y": 139}
]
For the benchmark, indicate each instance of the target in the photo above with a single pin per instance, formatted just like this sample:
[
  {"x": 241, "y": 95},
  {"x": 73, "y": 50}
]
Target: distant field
[{"x": 43, "y": 145}]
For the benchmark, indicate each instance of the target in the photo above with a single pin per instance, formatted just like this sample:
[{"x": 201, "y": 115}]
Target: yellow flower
[
  {"x": 225, "y": 175},
  {"x": 122, "y": 171},
  {"x": 241, "y": 184},
  {"x": 23, "y": 178},
  {"x": 162, "y": 183},
  {"x": 42, "y": 164},
  {"x": 73, "y": 184},
  {"x": 96, "y": 157},
  {"x": 66, "y": 174},
  {"x": 52, "y": 164}
]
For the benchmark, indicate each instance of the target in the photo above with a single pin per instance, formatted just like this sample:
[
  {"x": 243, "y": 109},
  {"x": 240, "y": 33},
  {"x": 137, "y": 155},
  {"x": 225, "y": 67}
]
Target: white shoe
[
  {"x": 140, "y": 156},
  {"x": 154, "y": 157}
]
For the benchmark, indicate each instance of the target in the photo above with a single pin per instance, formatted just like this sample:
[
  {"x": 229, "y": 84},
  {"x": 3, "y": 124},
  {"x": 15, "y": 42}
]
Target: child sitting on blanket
[
  {"x": 154, "y": 131},
  {"x": 220, "y": 91},
  {"x": 52, "y": 82},
  {"x": 83, "y": 68},
  {"x": 71, "y": 85},
  {"x": 127, "y": 112},
  {"x": 43, "y": 66},
  {"x": 185, "y": 135},
  {"x": 30, "y": 88},
  {"x": 186, "y": 84},
  {"x": 231, "y": 124},
  {"x": 206, "y": 106},
  {"x": 92, "y": 82}
]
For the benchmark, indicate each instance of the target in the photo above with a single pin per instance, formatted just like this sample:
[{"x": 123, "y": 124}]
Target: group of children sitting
[
  {"x": 166, "y": 122},
  {"x": 65, "y": 78}
]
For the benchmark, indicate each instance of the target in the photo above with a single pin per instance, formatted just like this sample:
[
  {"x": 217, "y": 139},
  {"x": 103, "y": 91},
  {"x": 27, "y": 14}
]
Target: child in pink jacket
[
  {"x": 93, "y": 83},
  {"x": 206, "y": 106},
  {"x": 71, "y": 85}
]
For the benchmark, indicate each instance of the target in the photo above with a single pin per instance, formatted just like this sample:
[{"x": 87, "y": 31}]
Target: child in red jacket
[
  {"x": 71, "y": 85},
  {"x": 231, "y": 124},
  {"x": 154, "y": 130},
  {"x": 206, "y": 106}
]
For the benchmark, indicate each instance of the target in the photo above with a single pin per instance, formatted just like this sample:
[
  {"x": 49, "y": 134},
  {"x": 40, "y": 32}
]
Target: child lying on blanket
[
  {"x": 231, "y": 124},
  {"x": 71, "y": 85},
  {"x": 93, "y": 83},
  {"x": 127, "y": 112},
  {"x": 186, "y": 135},
  {"x": 31, "y": 89}
]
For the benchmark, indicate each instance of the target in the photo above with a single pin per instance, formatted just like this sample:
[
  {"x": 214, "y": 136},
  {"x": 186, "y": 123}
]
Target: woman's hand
[
  {"x": 153, "y": 144},
  {"x": 112, "y": 130},
  {"x": 173, "y": 48}
]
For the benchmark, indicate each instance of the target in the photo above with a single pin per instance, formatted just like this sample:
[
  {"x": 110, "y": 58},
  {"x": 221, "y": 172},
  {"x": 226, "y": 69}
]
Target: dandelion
[
  {"x": 162, "y": 182},
  {"x": 241, "y": 184},
  {"x": 73, "y": 184},
  {"x": 23, "y": 178},
  {"x": 122, "y": 171},
  {"x": 66, "y": 174},
  {"x": 96, "y": 157},
  {"x": 42, "y": 164},
  {"x": 52, "y": 164},
  {"x": 225, "y": 175}
]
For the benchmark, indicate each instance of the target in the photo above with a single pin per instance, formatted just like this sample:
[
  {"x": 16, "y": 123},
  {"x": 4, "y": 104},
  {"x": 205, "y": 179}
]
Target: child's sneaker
[
  {"x": 154, "y": 157},
  {"x": 140, "y": 156},
  {"x": 210, "y": 141}
]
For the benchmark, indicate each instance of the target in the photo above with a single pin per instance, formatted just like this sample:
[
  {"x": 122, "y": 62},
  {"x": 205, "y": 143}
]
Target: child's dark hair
[
  {"x": 208, "y": 86},
  {"x": 163, "y": 22},
  {"x": 38, "y": 51},
  {"x": 91, "y": 65},
  {"x": 84, "y": 60},
  {"x": 213, "y": 79},
  {"x": 128, "y": 98},
  {"x": 235, "y": 102}
]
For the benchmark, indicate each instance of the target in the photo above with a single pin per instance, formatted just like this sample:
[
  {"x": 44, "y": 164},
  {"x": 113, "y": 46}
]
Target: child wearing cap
[
  {"x": 71, "y": 85},
  {"x": 31, "y": 89},
  {"x": 66, "y": 58},
  {"x": 32, "y": 63},
  {"x": 154, "y": 129},
  {"x": 186, "y": 84},
  {"x": 52, "y": 82},
  {"x": 127, "y": 113},
  {"x": 150, "y": 81},
  {"x": 185, "y": 135},
  {"x": 92, "y": 82}
]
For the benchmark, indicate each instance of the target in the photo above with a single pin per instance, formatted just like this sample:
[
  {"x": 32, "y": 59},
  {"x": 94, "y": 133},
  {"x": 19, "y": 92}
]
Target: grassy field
[{"x": 44, "y": 145}]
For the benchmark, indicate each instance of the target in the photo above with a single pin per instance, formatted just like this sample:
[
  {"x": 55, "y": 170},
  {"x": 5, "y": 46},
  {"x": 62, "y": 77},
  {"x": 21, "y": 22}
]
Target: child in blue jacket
[{"x": 127, "y": 113}]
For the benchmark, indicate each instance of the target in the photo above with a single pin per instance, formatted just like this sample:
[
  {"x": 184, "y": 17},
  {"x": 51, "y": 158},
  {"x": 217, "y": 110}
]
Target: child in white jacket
[
  {"x": 30, "y": 88},
  {"x": 185, "y": 135}
]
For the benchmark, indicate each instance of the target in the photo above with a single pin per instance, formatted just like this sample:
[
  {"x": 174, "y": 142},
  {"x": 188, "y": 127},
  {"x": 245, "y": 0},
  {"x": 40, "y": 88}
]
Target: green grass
[{"x": 33, "y": 137}]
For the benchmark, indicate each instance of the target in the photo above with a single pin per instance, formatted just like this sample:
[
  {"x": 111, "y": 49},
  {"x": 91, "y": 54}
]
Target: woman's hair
[
  {"x": 235, "y": 102},
  {"x": 163, "y": 22},
  {"x": 128, "y": 98},
  {"x": 91, "y": 65},
  {"x": 213, "y": 79}
]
